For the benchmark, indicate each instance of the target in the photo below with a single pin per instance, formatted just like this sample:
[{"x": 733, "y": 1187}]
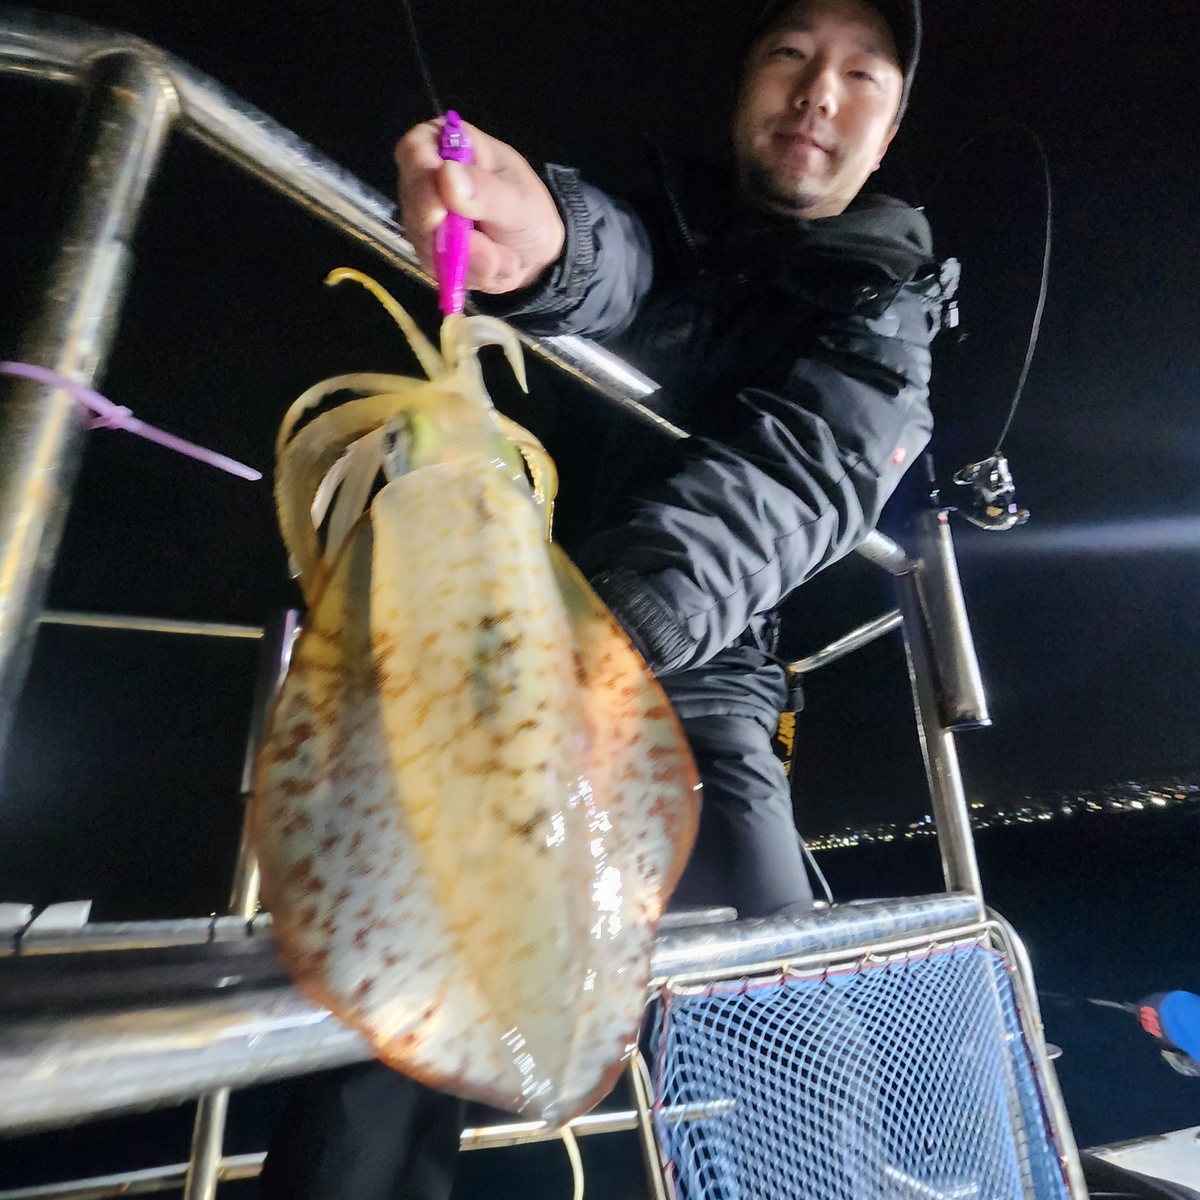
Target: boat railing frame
[
  {"x": 134, "y": 96},
  {"x": 690, "y": 957}
]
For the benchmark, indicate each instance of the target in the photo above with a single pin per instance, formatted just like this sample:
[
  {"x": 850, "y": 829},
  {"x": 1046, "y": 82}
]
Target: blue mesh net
[{"x": 903, "y": 1081}]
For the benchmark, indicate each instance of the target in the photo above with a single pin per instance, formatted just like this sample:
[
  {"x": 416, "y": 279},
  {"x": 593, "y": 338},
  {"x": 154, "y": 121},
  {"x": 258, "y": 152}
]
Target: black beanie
[{"x": 903, "y": 18}]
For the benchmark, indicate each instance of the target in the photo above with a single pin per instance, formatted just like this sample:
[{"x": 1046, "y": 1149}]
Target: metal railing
[
  {"x": 92, "y": 1030},
  {"x": 95, "y": 1050},
  {"x": 117, "y": 1044},
  {"x": 218, "y": 629}
]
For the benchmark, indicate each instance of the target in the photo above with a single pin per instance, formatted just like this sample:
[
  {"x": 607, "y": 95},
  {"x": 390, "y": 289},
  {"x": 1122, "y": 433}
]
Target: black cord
[
  {"x": 1043, "y": 287},
  {"x": 419, "y": 54},
  {"x": 1036, "y": 327}
]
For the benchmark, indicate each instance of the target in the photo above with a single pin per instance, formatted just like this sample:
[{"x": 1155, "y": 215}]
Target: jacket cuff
[
  {"x": 652, "y": 627},
  {"x": 565, "y": 281}
]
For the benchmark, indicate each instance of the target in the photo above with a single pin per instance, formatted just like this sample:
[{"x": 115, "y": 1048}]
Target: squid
[{"x": 472, "y": 800}]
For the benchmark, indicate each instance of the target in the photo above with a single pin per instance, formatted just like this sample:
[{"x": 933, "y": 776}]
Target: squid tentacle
[
  {"x": 541, "y": 466},
  {"x": 432, "y": 363},
  {"x": 361, "y": 383}
]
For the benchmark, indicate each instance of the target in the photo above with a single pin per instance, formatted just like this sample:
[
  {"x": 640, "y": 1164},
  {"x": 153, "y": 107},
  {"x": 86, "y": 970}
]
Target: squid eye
[{"x": 397, "y": 446}]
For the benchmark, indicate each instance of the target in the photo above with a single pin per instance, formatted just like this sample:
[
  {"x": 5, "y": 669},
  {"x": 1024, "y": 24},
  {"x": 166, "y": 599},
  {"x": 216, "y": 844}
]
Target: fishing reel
[{"x": 992, "y": 501}]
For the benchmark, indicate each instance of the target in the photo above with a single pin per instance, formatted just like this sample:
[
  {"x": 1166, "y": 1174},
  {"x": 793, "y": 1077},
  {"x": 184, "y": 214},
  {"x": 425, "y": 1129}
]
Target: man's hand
[{"x": 518, "y": 232}]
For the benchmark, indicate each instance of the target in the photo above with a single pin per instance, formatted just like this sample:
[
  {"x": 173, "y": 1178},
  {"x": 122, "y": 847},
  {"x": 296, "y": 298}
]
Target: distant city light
[{"x": 1119, "y": 798}]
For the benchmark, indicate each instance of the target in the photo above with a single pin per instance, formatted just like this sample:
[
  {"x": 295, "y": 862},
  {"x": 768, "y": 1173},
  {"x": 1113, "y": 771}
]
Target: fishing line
[
  {"x": 1123, "y": 1007},
  {"x": 419, "y": 55},
  {"x": 1047, "y": 247}
]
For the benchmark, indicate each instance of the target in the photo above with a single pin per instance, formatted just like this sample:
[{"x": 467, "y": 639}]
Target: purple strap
[{"x": 116, "y": 416}]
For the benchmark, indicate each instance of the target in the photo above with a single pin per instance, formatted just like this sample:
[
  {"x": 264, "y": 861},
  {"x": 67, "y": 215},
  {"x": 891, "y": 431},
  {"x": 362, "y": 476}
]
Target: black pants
[
  {"x": 363, "y": 1133},
  {"x": 368, "y": 1133},
  {"x": 747, "y": 851}
]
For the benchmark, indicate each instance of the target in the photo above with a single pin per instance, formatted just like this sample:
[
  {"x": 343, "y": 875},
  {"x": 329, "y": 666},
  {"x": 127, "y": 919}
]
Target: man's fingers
[
  {"x": 497, "y": 204},
  {"x": 457, "y": 190},
  {"x": 492, "y": 267},
  {"x": 418, "y": 148},
  {"x": 518, "y": 228},
  {"x": 421, "y": 206},
  {"x": 489, "y": 153}
]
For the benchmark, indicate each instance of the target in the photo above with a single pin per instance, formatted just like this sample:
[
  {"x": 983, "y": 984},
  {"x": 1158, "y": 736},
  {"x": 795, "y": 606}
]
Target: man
[
  {"x": 792, "y": 336},
  {"x": 790, "y": 333}
]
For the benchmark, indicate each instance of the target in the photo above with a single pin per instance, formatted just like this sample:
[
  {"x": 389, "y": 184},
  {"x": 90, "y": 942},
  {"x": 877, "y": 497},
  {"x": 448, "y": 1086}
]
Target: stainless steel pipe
[
  {"x": 195, "y": 1027},
  {"x": 208, "y": 1135},
  {"x": 956, "y": 842},
  {"x": 220, "y": 629},
  {"x": 714, "y": 952},
  {"x": 60, "y": 1070},
  {"x": 136, "y": 1183},
  {"x": 856, "y": 639},
  {"x": 961, "y": 699},
  {"x": 127, "y": 114},
  {"x": 878, "y": 548}
]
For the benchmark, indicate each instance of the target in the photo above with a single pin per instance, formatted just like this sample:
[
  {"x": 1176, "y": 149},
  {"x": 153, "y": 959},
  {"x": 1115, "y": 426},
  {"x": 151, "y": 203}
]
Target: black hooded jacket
[{"x": 796, "y": 354}]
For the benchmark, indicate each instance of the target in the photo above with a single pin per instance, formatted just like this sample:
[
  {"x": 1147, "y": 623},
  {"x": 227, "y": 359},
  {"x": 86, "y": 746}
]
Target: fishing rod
[
  {"x": 992, "y": 502},
  {"x": 1172, "y": 1019}
]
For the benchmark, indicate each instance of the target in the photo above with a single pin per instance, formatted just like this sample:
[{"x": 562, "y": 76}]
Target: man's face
[{"x": 817, "y": 107}]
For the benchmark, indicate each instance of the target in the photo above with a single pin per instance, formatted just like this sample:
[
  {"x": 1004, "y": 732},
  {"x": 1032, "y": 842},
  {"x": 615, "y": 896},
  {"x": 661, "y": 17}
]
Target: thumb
[
  {"x": 483, "y": 197},
  {"x": 458, "y": 190}
]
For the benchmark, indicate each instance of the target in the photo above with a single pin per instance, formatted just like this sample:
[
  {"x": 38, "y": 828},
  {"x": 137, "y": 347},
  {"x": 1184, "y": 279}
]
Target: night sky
[
  {"x": 1090, "y": 655},
  {"x": 122, "y": 776}
]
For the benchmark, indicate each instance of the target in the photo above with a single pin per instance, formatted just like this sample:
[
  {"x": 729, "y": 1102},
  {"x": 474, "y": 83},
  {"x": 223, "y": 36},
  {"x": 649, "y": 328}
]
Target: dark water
[{"x": 1108, "y": 905}]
